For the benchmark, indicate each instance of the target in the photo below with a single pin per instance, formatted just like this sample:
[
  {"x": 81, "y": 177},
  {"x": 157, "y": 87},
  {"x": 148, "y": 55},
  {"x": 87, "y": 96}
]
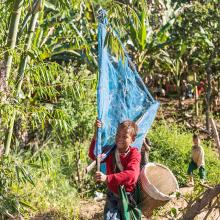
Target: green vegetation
[
  {"x": 172, "y": 147},
  {"x": 51, "y": 180},
  {"x": 48, "y": 76}
]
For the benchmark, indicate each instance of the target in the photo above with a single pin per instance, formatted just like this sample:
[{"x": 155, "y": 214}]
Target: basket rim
[{"x": 151, "y": 190}]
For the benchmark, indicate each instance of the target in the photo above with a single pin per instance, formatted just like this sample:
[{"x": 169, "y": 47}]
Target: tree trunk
[
  {"x": 196, "y": 97},
  {"x": 218, "y": 84},
  {"x": 21, "y": 71},
  {"x": 207, "y": 99},
  {"x": 12, "y": 36},
  {"x": 208, "y": 90},
  {"x": 215, "y": 133},
  {"x": 178, "y": 87}
]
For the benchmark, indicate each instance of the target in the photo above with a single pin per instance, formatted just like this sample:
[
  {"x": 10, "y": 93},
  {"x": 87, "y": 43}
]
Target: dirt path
[{"x": 93, "y": 210}]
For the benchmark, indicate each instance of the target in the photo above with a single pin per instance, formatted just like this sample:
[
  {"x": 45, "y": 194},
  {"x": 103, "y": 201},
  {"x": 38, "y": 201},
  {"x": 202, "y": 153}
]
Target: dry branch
[
  {"x": 216, "y": 136},
  {"x": 194, "y": 209}
]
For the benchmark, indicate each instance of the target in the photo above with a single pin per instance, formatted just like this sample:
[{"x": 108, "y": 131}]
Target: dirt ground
[
  {"x": 93, "y": 210},
  {"x": 181, "y": 203}
]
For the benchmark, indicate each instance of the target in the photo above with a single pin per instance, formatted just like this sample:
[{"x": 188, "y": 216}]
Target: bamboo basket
[{"x": 158, "y": 186}]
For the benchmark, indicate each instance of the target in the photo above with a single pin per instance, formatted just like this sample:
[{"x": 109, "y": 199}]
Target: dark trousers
[
  {"x": 112, "y": 207},
  {"x": 193, "y": 166}
]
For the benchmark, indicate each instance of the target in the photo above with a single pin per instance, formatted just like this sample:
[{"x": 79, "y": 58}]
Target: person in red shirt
[
  {"x": 201, "y": 88},
  {"x": 122, "y": 167}
]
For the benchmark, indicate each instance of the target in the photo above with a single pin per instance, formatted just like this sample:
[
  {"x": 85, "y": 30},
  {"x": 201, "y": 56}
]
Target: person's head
[
  {"x": 196, "y": 139},
  {"x": 126, "y": 134}
]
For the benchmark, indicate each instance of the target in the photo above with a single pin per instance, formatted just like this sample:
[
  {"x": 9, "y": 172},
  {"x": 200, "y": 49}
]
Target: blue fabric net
[{"x": 121, "y": 94}]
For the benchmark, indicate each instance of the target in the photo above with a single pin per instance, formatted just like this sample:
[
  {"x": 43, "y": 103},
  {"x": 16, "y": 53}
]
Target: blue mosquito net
[{"x": 121, "y": 94}]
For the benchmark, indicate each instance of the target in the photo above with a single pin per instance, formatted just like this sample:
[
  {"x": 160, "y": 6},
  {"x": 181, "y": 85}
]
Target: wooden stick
[
  {"x": 91, "y": 166},
  {"x": 216, "y": 136},
  {"x": 98, "y": 162}
]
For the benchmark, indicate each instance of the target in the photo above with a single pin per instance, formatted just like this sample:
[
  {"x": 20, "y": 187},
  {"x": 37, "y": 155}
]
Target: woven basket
[{"x": 157, "y": 187}]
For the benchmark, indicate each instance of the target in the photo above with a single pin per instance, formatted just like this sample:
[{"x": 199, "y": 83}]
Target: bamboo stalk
[
  {"x": 12, "y": 36},
  {"x": 25, "y": 56},
  {"x": 39, "y": 31},
  {"x": 21, "y": 71},
  {"x": 32, "y": 10}
]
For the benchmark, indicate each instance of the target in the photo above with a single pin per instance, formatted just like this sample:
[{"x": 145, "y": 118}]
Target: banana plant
[
  {"x": 66, "y": 34},
  {"x": 147, "y": 38},
  {"x": 175, "y": 64}
]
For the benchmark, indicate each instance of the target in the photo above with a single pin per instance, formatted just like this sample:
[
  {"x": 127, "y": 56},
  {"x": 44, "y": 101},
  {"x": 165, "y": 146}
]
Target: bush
[
  {"x": 47, "y": 182},
  {"x": 59, "y": 180},
  {"x": 12, "y": 174}
]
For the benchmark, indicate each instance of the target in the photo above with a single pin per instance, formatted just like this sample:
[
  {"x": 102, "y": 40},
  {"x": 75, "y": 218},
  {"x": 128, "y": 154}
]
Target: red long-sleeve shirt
[{"x": 128, "y": 177}]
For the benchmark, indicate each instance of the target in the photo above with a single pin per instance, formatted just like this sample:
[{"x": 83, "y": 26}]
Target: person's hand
[
  {"x": 145, "y": 147},
  {"x": 100, "y": 177},
  {"x": 98, "y": 124},
  {"x": 103, "y": 156}
]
